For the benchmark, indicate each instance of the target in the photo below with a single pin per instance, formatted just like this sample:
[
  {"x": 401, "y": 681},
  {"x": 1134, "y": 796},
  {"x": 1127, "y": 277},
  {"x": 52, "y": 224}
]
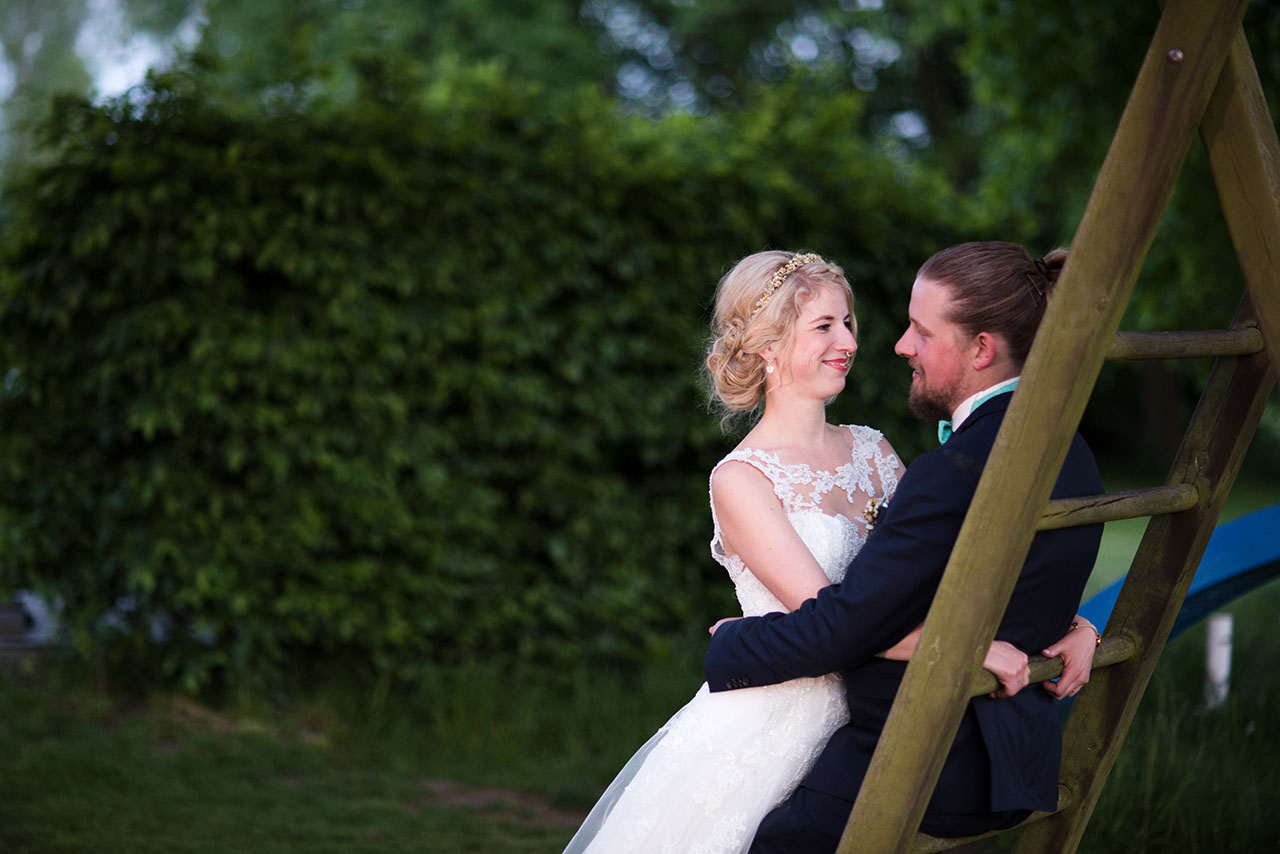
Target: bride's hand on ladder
[{"x": 1009, "y": 665}]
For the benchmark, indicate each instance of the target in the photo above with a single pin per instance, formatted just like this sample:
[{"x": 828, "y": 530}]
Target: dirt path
[{"x": 505, "y": 805}]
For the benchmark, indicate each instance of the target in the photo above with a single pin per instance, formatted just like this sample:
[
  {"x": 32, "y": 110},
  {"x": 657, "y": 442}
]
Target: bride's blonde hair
[{"x": 757, "y": 303}]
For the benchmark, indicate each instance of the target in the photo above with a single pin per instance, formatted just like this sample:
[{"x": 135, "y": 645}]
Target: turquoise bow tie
[{"x": 944, "y": 427}]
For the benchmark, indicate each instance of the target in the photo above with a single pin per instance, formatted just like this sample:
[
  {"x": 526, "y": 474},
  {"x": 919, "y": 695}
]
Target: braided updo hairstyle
[
  {"x": 997, "y": 287},
  {"x": 739, "y": 332}
]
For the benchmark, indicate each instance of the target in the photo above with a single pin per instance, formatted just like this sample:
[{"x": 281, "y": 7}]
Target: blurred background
[{"x": 351, "y": 390}]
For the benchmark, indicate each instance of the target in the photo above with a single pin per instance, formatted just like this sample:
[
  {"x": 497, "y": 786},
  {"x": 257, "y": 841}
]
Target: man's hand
[
  {"x": 1009, "y": 664},
  {"x": 720, "y": 623}
]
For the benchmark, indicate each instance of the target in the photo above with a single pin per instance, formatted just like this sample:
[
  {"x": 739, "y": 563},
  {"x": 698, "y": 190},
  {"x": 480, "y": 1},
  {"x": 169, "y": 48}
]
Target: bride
[{"x": 790, "y": 505}]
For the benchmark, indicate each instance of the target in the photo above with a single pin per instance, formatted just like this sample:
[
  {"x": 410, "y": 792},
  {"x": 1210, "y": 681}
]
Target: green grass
[
  {"x": 1120, "y": 539},
  {"x": 506, "y": 761},
  {"x": 85, "y": 774},
  {"x": 1193, "y": 780},
  {"x": 485, "y": 759},
  {"x": 509, "y": 760}
]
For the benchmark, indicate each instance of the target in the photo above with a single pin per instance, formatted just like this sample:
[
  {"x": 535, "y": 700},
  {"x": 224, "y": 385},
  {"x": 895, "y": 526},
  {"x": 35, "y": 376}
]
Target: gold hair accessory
[{"x": 781, "y": 276}]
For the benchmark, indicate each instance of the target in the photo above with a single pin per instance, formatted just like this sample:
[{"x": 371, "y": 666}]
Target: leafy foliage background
[
  {"x": 401, "y": 379},
  {"x": 369, "y": 339}
]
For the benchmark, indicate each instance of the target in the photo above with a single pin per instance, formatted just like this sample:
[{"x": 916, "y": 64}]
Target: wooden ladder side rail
[
  {"x": 926, "y": 844},
  {"x": 1118, "y": 227},
  {"x": 1244, "y": 156},
  {"x": 1234, "y": 392},
  {"x": 1242, "y": 341},
  {"x": 1173, "y": 497},
  {"x": 1157, "y": 584},
  {"x": 1112, "y": 650}
]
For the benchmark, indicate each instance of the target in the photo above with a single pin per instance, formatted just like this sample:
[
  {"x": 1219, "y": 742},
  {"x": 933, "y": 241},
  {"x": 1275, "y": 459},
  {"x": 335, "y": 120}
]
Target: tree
[
  {"x": 37, "y": 40},
  {"x": 319, "y": 43},
  {"x": 43, "y": 54},
  {"x": 406, "y": 377},
  {"x": 1044, "y": 86}
]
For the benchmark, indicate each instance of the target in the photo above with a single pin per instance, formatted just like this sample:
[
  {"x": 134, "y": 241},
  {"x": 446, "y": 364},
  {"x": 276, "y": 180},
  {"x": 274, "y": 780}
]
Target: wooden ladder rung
[
  {"x": 1217, "y": 88},
  {"x": 926, "y": 844},
  {"x": 1113, "y": 650},
  {"x": 1244, "y": 341},
  {"x": 1129, "y": 504}
]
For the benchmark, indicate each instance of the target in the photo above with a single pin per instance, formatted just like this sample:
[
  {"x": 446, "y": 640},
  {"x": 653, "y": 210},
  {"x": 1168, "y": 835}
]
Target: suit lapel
[{"x": 994, "y": 406}]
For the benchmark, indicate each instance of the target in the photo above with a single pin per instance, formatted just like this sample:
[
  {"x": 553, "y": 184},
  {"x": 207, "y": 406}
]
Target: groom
[{"x": 973, "y": 313}]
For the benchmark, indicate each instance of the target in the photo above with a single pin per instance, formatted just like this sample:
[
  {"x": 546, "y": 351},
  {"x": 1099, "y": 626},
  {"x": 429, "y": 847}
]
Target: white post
[{"x": 1217, "y": 660}]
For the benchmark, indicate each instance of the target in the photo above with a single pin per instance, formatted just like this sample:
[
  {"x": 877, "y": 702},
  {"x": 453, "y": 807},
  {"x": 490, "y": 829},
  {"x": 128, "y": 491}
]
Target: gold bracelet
[{"x": 1075, "y": 624}]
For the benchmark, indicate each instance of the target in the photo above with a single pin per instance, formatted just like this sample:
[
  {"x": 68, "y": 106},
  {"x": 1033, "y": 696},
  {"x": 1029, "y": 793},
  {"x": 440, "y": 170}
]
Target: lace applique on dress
[
  {"x": 833, "y": 537},
  {"x": 704, "y": 781}
]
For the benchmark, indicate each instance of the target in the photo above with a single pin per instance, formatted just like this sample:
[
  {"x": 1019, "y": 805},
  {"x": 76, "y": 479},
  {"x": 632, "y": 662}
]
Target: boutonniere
[{"x": 872, "y": 512}]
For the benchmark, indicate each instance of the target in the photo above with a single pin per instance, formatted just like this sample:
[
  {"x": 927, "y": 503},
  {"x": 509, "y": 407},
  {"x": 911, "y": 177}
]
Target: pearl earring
[{"x": 768, "y": 368}]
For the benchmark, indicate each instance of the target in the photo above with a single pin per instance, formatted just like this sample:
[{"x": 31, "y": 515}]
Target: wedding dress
[{"x": 704, "y": 781}]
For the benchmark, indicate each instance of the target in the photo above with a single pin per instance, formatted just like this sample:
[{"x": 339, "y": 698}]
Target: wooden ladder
[{"x": 1198, "y": 72}]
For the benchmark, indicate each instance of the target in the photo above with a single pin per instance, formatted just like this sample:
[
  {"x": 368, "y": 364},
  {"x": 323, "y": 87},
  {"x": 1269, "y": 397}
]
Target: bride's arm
[
  {"x": 1004, "y": 660},
  {"x": 754, "y": 527},
  {"x": 1076, "y": 647},
  {"x": 1009, "y": 664},
  {"x": 901, "y": 651}
]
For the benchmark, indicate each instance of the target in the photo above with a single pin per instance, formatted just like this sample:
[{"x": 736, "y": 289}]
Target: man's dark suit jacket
[{"x": 887, "y": 592}]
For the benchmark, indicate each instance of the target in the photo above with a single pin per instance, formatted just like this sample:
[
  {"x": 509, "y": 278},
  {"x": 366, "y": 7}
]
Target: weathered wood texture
[
  {"x": 1209, "y": 343},
  {"x": 1118, "y": 226},
  {"x": 1244, "y": 156},
  {"x": 1130, "y": 504},
  {"x": 1245, "y": 159},
  {"x": 926, "y": 844},
  {"x": 1210, "y": 457},
  {"x": 1113, "y": 650}
]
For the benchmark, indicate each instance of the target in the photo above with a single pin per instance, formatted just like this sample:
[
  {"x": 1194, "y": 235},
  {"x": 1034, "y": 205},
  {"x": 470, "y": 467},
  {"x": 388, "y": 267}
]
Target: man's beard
[{"x": 928, "y": 404}]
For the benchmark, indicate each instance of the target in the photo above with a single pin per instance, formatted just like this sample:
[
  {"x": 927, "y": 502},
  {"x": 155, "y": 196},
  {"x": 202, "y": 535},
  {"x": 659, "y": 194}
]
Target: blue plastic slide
[{"x": 1242, "y": 554}]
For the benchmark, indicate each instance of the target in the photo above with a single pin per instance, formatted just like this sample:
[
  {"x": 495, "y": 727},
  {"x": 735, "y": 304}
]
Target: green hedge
[{"x": 406, "y": 379}]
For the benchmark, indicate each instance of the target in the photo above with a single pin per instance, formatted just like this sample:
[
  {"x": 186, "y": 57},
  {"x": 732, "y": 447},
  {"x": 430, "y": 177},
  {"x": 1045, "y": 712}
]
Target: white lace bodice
[
  {"x": 705, "y": 780},
  {"x": 825, "y": 508}
]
